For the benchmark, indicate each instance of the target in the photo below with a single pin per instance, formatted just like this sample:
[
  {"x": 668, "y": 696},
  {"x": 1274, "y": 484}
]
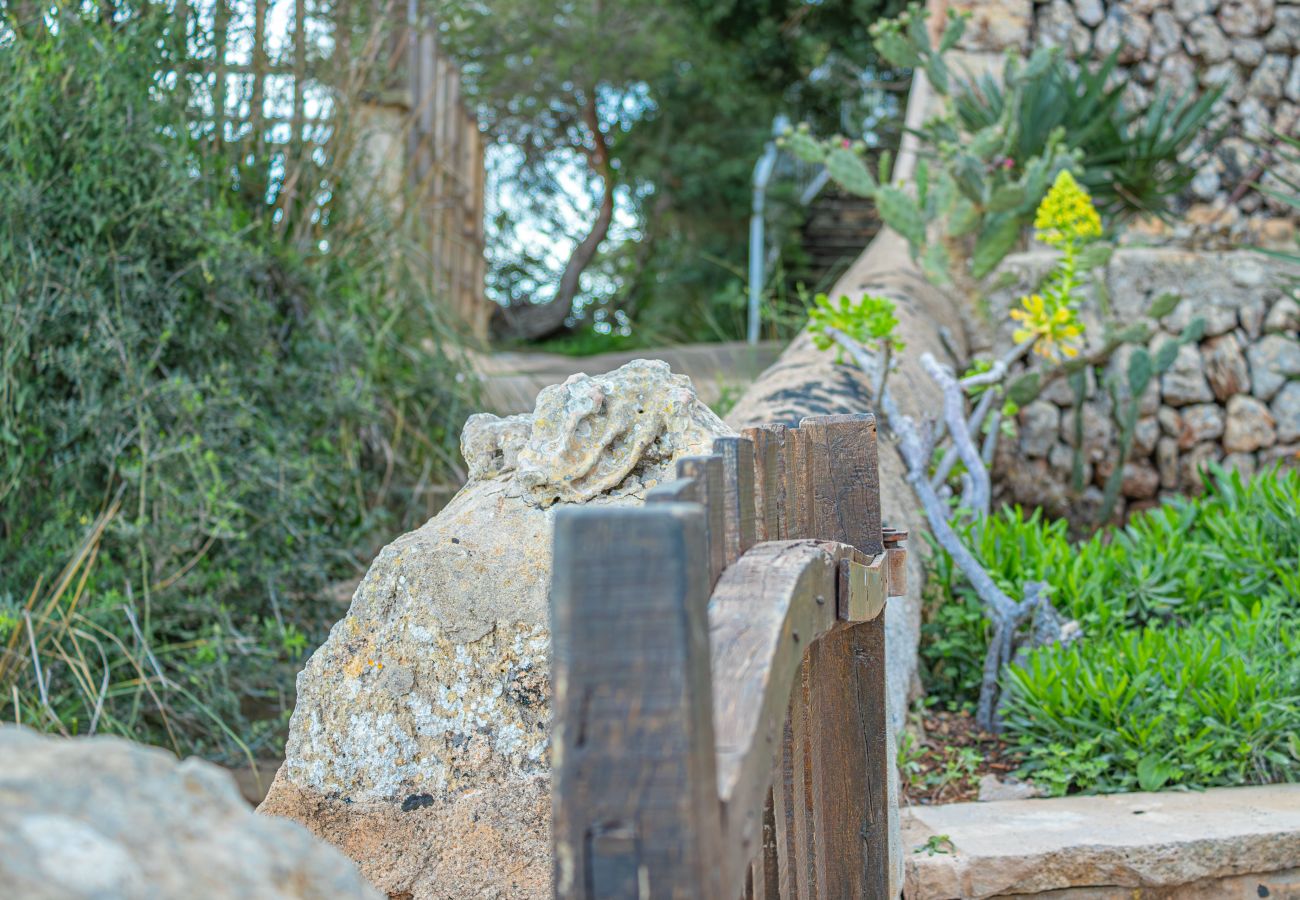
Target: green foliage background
[
  {"x": 251, "y": 412},
  {"x": 1185, "y": 673}
]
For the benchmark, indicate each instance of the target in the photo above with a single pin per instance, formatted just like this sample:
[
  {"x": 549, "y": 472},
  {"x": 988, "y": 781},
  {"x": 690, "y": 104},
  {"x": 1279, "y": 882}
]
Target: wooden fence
[
  {"x": 719, "y": 675},
  {"x": 290, "y": 84}
]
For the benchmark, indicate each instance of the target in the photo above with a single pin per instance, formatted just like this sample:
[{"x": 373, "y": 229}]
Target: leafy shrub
[
  {"x": 1214, "y": 578},
  {"x": 1133, "y": 161},
  {"x": 204, "y": 421}
]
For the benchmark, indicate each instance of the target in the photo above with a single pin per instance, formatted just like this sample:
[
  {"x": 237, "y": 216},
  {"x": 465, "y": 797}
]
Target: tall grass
[{"x": 224, "y": 381}]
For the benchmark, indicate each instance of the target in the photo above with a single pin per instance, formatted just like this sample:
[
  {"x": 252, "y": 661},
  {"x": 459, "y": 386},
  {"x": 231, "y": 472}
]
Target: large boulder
[
  {"x": 418, "y": 743},
  {"x": 102, "y": 817}
]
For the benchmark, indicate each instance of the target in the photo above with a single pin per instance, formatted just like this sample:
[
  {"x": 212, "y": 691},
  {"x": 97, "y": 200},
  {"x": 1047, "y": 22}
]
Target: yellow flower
[
  {"x": 1066, "y": 214},
  {"x": 1053, "y": 330}
]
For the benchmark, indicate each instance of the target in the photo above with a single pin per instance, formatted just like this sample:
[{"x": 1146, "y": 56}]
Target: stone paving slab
[{"x": 1159, "y": 845}]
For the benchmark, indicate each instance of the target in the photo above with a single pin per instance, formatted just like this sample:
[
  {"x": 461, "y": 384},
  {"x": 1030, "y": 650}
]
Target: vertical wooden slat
[
  {"x": 783, "y": 818},
  {"x": 805, "y": 793},
  {"x": 849, "y": 759},
  {"x": 738, "y": 477},
  {"x": 768, "y": 487},
  {"x": 799, "y": 492},
  {"x": 706, "y": 471},
  {"x": 634, "y": 783},
  {"x": 771, "y": 875}
]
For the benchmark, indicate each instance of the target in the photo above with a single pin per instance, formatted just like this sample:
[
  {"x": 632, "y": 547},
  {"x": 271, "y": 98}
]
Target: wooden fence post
[
  {"x": 847, "y": 709},
  {"x": 636, "y": 811}
]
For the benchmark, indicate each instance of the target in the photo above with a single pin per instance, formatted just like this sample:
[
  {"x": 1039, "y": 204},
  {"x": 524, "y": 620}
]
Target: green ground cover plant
[
  {"x": 207, "y": 414},
  {"x": 1185, "y": 674}
]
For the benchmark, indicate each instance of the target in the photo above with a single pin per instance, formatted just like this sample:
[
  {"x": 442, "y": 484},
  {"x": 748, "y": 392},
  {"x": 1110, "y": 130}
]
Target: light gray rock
[
  {"x": 1188, "y": 10},
  {"x": 1039, "y": 422},
  {"x": 1284, "y": 315},
  {"x": 993, "y": 789},
  {"x": 1166, "y": 35},
  {"x": 1206, "y": 40},
  {"x": 1185, "y": 382},
  {"x": 1193, "y": 464},
  {"x": 1126, "y": 31},
  {"x": 1269, "y": 79},
  {"x": 1249, "y": 426},
  {"x": 1225, "y": 367},
  {"x": 1227, "y": 75},
  {"x": 1171, "y": 422},
  {"x": 1248, "y": 52},
  {"x": 1285, "y": 33},
  {"x": 1057, "y": 27},
  {"x": 1285, "y": 455},
  {"x": 435, "y": 778},
  {"x": 1098, "y": 430},
  {"x": 1061, "y": 460},
  {"x": 1292, "y": 87},
  {"x": 1145, "y": 434},
  {"x": 1244, "y": 18},
  {"x": 104, "y": 818},
  {"x": 1242, "y": 463},
  {"x": 1251, "y": 316},
  {"x": 1106, "y": 848},
  {"x": 1286, "y": 413},
  {"x": 1205, "y": 184},
  {"x": 1273, "y": 359},
  {"x": 1089, "y": 12},
  {"x": 1140, "y": 480},
  {"x": 1200, "y": 422},
  {"x": 1167, "y": 462},
  {"x": 1178, "y": 73}
]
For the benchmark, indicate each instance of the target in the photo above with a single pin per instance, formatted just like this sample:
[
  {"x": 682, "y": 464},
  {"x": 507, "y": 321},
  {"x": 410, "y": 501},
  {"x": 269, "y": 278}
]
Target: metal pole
[{"x": 762, "y": 175}]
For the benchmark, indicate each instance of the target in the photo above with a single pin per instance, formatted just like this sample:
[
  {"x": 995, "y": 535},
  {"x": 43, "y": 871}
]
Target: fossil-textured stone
[
  {"x": 104, "y": 818},
  {"x": 418, "y": 743}
]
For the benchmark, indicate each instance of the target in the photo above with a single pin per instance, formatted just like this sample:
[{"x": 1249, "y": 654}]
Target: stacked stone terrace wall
[
  {"x": 1249, "y": 47},
  {"x": 1233, "y": 397}
]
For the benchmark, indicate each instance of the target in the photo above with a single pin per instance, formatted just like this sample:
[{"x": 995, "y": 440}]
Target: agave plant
[{"x": 1133, "y": 161}]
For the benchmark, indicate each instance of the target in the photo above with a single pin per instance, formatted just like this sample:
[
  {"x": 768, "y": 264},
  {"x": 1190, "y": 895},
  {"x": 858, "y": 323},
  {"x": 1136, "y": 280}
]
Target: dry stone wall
[
  {"x": 1233, "y": 397},
  {"x": 1249, "y": 47}
]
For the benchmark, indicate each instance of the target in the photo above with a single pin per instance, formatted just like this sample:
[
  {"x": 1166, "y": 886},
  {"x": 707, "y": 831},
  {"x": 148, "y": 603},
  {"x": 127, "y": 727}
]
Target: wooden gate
[{"x": 719, "y": 675}]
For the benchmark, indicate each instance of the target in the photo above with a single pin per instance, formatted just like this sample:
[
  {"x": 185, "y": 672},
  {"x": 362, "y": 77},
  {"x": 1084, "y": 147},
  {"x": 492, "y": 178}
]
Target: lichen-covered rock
[
  {"x": 1286, "y": 412},
  {"x": 418, "y": 743},
  {"x": 104, "y": 818}
]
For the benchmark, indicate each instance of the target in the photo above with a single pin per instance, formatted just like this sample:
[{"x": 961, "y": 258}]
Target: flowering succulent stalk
[{"x": 1066, "y": 220}]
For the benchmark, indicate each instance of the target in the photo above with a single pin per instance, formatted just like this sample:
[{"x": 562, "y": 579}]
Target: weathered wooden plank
[
  {"x": 799, "y": 490},
  {"x": 706, "y": 471},
  {"x": 849, "y": 764},
  {"x": 765, "y": 610},
  {"x": 846, "y": 480},
  {"x": 783, "y": 816},
  {"x": 771, "y": 882},
  {"x": 805, "y": 848},
  {"x": 738, "y": 489},
  {"x": 634, "y": 784},
  {"x": 768, "y": 487},
  {"x": 895, "y": 561},
  {"x": 863, "y": 584}
]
